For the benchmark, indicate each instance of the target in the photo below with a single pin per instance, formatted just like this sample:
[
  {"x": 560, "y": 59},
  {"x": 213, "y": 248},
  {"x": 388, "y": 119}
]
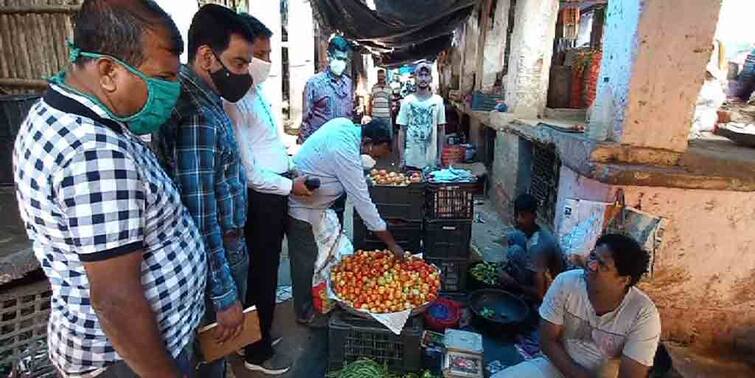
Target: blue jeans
[
  {"x": 517, "y": 237},
  {"x": 517, "y": 259},
  {"x": 239, "y": 260}
]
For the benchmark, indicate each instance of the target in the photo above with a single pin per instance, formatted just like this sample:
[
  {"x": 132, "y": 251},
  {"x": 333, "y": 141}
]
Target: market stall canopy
[{"x": 398, "y": 30}]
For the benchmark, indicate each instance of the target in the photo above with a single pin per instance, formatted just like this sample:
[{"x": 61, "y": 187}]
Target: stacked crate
[
  {"x": 24, "y": 311},
  {"x": 449, "y": 209},
  {"x": 13, "y": 110},
  {"x": 351, "y": 338},
  {"x": 402, "y": 207}
]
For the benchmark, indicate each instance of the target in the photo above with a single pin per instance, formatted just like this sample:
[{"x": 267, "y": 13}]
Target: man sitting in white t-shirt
[{"x": 595, "y": 323}]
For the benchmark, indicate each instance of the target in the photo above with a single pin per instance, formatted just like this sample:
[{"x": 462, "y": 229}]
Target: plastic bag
[
  {"x": 581, "y": 224},
  {"x": 332, "y": 245}
]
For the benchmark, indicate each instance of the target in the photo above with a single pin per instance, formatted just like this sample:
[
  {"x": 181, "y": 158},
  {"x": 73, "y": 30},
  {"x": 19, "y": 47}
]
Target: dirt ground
[{"x": 306, "y": 347}]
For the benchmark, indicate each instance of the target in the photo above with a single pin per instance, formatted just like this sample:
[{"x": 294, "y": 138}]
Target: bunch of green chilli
[
  {"x": 367, "y": 368},
  {"x": 486, "y": 272}
]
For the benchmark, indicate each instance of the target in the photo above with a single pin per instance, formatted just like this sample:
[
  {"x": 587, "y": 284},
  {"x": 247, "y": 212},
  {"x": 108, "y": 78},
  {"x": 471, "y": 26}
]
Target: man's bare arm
[
  {"x": 441, "y": 142},
  {"x": 538, "y": 288},
  {"x": 550, "y": 342},
  {"x": 401, "y": 144},
  {"x": 126, "y": 317},
  {"x": 630, "y": 368},
  {"x": 387, "y": 238}
]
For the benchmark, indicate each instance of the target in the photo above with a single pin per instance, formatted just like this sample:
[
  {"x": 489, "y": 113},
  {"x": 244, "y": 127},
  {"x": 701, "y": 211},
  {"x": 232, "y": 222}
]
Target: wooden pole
[
  {"x": 23, "y": 83},
  {"x": 5, "y": 45},
  {"x": 40, "y": 8}
]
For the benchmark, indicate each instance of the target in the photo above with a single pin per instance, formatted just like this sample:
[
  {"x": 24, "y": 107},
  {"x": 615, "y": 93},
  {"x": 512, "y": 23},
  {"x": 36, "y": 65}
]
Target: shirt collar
[
  {"x": 188, "y": 75},
  {"x": 333, "y": 77},
  {"x": 83, "y": 100},
  {"x": 256, "y": 90},
  {"x": 68, "y": 101}
]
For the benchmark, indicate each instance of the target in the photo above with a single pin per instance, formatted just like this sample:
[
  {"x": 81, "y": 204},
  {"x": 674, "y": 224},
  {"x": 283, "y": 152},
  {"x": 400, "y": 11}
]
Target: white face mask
[
  {"x": 260, "y": 70},
  {"x": 337, "y": 66}
]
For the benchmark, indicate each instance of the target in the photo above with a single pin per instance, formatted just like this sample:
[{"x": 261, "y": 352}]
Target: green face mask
[{"x": 161, "y": 97}]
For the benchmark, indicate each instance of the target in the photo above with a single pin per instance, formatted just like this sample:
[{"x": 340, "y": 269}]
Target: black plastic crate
[
  {"x": 407, "y": 234},
  {"x": 351, "y": 338},
  {"x": 485, "y": 102},
  {"x": 24, "y": 311},
  {"x": 449, "y": 201},
  {"x": 453, "y": 273},
  {"x": 399, "y": 202},
  {"x": 447, "y": 238},
  {"x": 13, "y": 111},
  {"x": 458, "y": 296}
]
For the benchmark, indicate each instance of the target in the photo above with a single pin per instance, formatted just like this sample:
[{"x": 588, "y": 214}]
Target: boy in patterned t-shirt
[{"x": 422, "y": 119}]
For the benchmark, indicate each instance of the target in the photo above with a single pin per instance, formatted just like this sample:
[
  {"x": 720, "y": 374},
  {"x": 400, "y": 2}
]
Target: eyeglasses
[{"x": 594, "y": 256}]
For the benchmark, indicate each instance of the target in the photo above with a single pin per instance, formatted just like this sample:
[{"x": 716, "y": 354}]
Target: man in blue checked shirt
[{"x": 199, "y": 150}]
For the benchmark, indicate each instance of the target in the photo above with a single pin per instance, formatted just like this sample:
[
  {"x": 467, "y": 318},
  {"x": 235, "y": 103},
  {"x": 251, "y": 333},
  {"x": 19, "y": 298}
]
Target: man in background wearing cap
[{"x": 422, "y": 119}]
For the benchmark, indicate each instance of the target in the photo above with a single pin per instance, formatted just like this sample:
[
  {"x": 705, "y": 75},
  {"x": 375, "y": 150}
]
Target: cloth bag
[{"x": 332, "y": 245}]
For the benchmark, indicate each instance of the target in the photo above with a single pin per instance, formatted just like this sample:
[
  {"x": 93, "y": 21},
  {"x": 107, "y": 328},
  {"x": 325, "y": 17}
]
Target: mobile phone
[{"x": 312, "y": 183}]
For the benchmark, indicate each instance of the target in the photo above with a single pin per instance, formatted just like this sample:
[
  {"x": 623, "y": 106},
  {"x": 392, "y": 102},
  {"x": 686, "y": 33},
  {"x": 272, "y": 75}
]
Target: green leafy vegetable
[
  {"x": 367, "y": 368},
  {"x": 486, "y": 272},
  {"x": 487, "y": 313}
]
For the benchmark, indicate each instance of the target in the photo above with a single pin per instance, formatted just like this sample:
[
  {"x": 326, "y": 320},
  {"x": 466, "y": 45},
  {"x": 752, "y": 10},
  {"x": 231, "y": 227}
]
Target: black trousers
[
  {"x": 340, "y": 207},
  {"x": 265, "y": 228},
  {"x": 122, "y": 370}
]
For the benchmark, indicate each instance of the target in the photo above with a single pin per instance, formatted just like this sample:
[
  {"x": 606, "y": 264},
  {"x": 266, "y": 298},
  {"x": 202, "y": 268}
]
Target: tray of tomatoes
[
  {"x": 377, "y": 282},
  {"x": 386, "y": 178}
]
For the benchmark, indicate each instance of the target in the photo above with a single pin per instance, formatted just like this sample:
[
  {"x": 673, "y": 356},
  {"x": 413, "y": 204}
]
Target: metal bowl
[
  {"x": 742, "y": 135},
  {"x": 368, "y": 315},
  {"x": 510, "y": 312}
]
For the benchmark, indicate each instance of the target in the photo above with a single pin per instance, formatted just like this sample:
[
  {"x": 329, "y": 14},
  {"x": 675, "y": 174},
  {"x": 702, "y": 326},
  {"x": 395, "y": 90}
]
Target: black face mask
[{"x": 231, "y": 86}]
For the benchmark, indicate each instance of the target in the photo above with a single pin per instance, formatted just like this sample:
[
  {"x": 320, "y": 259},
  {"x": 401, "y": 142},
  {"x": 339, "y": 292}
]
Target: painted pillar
[
  {"x": 269, "y": 14},
  {"x": 495, "y": 46},
  {"x": 485, "y": 24},
  {"x": 301, "y": 54},
  {"x": 530, "y": 58},
  {"x": 469, "y": 55},
  {"x": 654, "y": 59}
]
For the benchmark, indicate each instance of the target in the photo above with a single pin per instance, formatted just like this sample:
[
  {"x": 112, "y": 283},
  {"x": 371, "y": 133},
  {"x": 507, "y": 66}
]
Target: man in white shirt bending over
[
  {"x": 269, "y": 184},
  {"x": 333, "y": 154},
  {"x": 422, "y": 119},
  {"x": 594, "y": 321}
]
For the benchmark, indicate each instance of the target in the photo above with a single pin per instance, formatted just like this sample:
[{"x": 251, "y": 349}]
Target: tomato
[{"x": 376, "y": 281}]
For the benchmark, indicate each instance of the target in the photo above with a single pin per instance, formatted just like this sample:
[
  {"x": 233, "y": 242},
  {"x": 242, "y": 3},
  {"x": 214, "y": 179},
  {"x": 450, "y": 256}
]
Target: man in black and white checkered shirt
[{"x": 125, "y": 260}]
